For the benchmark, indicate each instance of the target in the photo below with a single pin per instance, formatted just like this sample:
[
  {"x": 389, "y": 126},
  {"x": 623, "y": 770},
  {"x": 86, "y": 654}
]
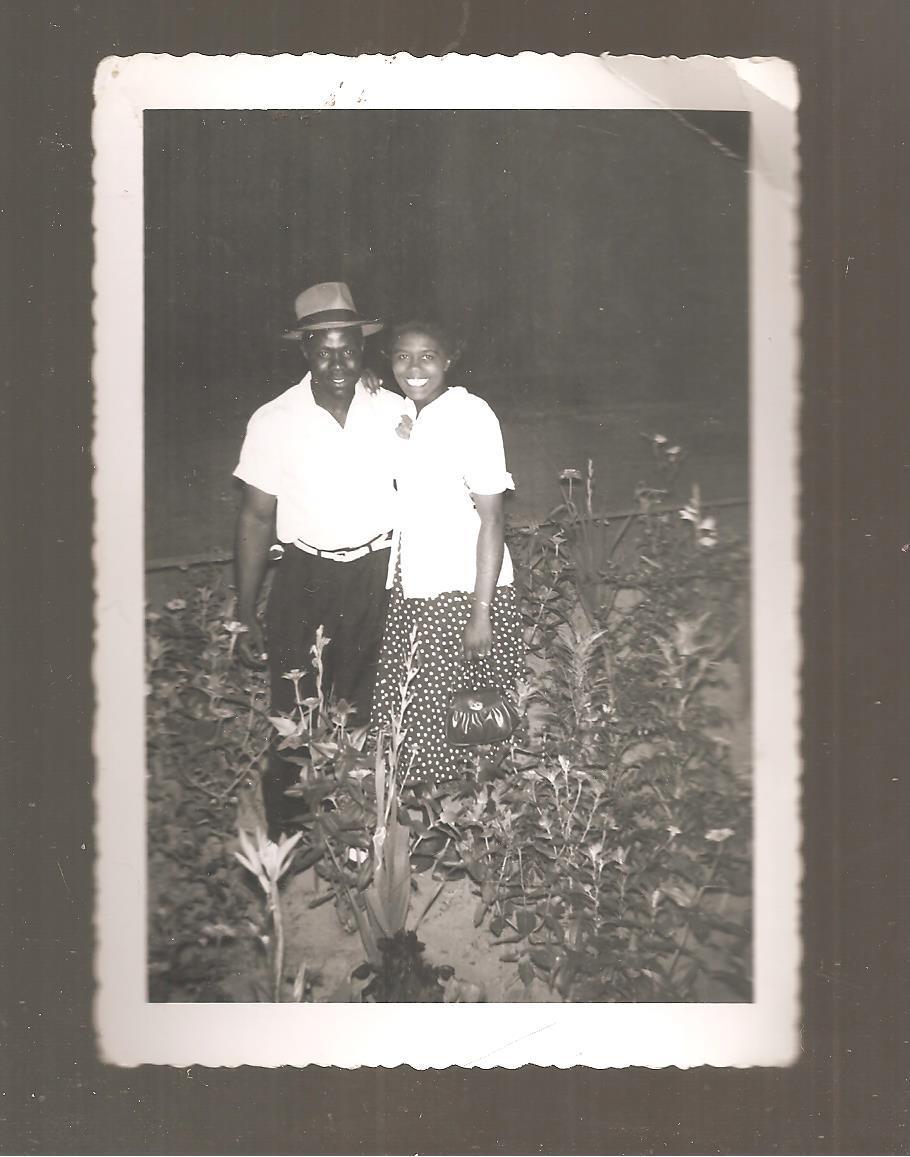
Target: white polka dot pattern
[{"x": 440, "y": 623}]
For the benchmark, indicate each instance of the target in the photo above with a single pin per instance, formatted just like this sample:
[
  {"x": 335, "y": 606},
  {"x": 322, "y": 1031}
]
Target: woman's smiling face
[{"x": 419, "y": 362}]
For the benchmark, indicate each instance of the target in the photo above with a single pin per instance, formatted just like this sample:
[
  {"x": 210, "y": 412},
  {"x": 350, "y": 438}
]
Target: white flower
[
  {"x": 687, "y": 633},
  {"x": 218, "y": 931},
  {"x": 176, "y": 605},
  {"x": 718, "y": 835},
  {"x": 692, "y": 511},
  {"x": 322, "y": 641},
  {"x": 570, "y": 474},
  {"x": 266, "y": 860},
  {"x": 707, "y": 532}
]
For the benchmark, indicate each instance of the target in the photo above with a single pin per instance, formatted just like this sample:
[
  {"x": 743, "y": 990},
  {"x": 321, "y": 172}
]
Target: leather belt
[{"x": 347, "y": 553}]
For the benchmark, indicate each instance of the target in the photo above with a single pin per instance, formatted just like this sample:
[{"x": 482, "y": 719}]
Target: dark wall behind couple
[{"x": 595, "y": 263}]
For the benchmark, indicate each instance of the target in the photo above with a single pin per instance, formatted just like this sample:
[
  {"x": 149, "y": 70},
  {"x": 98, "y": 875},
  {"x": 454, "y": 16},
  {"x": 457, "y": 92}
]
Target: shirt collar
[{"x": 450, "y": 394}]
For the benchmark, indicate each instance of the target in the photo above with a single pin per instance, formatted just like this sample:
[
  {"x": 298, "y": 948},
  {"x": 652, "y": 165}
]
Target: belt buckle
[{"x": 348, "y": 554}]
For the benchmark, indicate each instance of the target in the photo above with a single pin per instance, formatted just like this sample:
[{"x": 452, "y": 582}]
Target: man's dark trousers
[{"x": 349, "y": 600}]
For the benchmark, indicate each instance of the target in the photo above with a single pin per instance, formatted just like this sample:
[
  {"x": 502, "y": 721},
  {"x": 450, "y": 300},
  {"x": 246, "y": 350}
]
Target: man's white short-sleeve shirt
[
  {"x": 455, "y": 449},
  {"x": 334, "y": 484}
]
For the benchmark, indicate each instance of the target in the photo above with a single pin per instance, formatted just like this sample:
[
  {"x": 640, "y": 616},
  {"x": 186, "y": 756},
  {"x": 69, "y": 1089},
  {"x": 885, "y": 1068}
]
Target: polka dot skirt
[{"x": 439, "y": 624}]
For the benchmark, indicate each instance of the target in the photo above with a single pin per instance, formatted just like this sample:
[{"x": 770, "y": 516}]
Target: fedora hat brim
[{"x": 333, "y": 319}]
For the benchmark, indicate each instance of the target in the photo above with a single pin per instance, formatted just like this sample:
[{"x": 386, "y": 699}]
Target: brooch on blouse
[{"x": 404, "y": 427}]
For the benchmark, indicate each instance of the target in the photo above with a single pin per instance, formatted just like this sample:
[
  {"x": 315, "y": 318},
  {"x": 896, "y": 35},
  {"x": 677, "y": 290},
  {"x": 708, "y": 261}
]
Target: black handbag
[{"x": 480, "y": 715}]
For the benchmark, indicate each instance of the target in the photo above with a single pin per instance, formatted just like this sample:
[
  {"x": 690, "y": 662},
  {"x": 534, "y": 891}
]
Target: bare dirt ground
[{"x": 316, "y": 935}]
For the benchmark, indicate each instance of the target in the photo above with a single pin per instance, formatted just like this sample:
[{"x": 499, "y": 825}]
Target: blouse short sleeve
[
  {"x": 260, "y": 460},
  {"x": 484, "y": 459}
]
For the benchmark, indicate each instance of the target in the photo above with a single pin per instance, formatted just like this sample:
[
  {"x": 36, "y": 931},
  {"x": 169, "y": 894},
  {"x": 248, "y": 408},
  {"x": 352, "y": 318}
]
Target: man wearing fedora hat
[{"x": 317, "y": 464}]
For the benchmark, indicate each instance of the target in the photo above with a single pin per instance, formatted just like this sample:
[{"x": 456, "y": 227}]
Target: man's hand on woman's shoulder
[{"x": 371, "y": 381}]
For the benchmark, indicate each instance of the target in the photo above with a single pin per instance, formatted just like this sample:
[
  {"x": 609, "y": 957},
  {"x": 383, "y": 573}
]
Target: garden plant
[{"x": 609, "y": 846}]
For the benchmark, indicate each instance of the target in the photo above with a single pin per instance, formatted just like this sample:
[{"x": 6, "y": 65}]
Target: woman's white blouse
[{"x": 454, "y": 449}]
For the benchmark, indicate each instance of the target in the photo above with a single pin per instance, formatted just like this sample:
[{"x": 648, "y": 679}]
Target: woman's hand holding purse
[{"x": 477, "y": 640}]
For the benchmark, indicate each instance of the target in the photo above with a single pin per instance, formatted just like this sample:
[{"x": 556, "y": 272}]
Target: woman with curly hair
[{"x": 451, "y": 574}]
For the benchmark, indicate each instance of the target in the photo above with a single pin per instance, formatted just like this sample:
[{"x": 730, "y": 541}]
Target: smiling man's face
[{"x": 335, "y": 357}]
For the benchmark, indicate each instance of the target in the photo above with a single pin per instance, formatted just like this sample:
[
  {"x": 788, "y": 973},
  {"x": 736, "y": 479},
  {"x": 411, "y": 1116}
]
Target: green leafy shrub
[
  {"x": 614, "y": 862},
  {"x": 207, "y": 734},
  {"x": 610, "y": 848}
]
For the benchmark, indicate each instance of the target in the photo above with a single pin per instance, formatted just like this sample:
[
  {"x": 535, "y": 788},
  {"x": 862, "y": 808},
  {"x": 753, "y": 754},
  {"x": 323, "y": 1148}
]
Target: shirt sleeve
[
  {"x": 260, "y": 461},
  {"x": 484, "y": 455}
]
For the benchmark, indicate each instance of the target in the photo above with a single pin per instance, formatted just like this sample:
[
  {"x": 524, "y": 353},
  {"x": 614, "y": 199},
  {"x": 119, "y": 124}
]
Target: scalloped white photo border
[{"x": 131, "y": 1031}]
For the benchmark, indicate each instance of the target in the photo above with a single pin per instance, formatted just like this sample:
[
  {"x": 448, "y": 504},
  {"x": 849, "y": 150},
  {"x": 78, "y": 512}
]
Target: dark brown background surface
[
  {"x": 595, "y": 263},
  {"x": 848, "y": 1094}
]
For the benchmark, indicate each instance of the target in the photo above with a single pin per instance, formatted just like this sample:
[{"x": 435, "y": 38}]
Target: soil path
[{"x": 316, "y": 935}]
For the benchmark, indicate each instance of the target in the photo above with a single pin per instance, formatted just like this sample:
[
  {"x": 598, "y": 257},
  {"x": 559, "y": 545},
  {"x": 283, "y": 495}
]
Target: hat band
[{"x": 325, "y": 318}]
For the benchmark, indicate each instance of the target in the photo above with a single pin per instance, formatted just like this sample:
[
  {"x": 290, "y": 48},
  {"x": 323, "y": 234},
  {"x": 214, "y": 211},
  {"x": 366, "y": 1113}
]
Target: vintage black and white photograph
[{"x": 446, "y": 557}]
